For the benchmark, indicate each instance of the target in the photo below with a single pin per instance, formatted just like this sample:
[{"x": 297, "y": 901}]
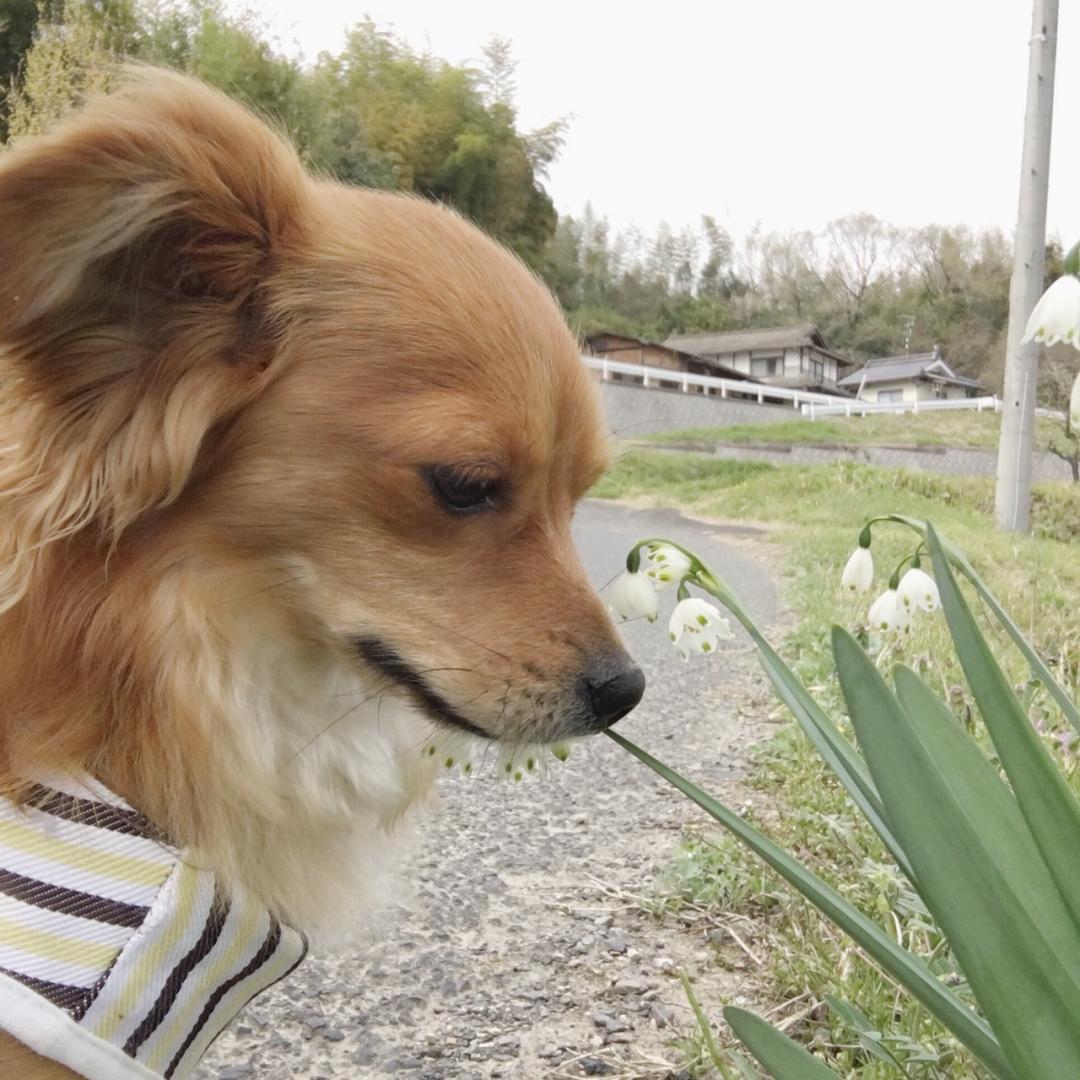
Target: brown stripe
[
  {"x": 70, "y": 901},
  {"x": 90, "y": 812},
  {"x": 261, "y": 958},
  {"x": 215, "y": 921},
  {"x": 72, "y": 999}
]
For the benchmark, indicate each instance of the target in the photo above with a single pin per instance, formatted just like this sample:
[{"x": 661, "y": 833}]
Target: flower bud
[
  {"x": 667, "y": 565},
  {"x": 632, "y": 596},
  {"x": 858, "y": 574}
]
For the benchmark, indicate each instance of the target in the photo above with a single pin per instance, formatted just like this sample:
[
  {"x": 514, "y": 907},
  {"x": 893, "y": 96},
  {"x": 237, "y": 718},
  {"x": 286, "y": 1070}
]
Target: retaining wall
[
  {"x": 635, "y": 411},
  {"x": 949, "y": 461}
]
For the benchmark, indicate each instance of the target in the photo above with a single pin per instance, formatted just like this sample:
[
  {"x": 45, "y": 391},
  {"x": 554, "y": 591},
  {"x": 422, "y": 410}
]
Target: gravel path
[{"x": 514, "y": 949}]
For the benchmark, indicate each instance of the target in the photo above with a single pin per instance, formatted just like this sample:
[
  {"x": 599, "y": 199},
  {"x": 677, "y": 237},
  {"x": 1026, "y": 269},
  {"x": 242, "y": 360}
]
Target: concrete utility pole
[{"x": 1013, "y": 500}]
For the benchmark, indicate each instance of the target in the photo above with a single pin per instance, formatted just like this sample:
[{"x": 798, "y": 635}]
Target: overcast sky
[{"x": 783, "y": 112}]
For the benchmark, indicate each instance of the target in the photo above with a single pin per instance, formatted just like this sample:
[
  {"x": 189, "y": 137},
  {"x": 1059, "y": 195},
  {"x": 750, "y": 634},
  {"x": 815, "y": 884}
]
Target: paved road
[{"x": 515, "y": 952}]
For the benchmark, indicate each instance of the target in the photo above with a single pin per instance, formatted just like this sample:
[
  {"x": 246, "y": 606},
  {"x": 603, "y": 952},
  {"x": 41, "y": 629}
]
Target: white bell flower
[
  {"x": 666, "y": 565},
  {"x": 918, "y": 590},
  {"x": 697, "y": 626},
  {"x": 632, "y": 596},
  {"x": 858, "y": 574},
  {"x": 882, "y": 609},
  {"x": 1057, "y": 314},
  {"x": 888, "y": 616},
  {"x": 453, "y": 750}
]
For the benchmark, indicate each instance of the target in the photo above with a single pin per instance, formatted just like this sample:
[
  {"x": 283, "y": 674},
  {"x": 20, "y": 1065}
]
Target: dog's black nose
[{"x": 615, "y": 686}]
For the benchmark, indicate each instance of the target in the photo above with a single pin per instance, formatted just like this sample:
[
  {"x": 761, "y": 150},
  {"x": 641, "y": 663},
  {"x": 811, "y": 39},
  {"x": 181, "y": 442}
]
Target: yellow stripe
[
  {"x": 155, "y": 953},
  {"x": 169, "y": 1037},
  {"x": 120, "y": 867},
  {"x": 237, "y": 998},
  {"x": 55, "y": 947}
]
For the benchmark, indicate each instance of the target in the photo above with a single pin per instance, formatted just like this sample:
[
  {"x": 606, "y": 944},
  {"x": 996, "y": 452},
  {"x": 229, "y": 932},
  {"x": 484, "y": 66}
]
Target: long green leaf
[
  {"x": 783, "y": 1058},
  {"x": 871, "y": 1040},
  {"x": 907, "y": 969},
  {"x": 702, "y": 1021},
  {"x": 993, "y": 812},
  {"x": 1051, "y": 809},
  {"x": 1035, "y": 661},
  {"x": 746, "y": 1071},
  {"x": 978, "y": 872},
  {"x": 835, "y": 750}
]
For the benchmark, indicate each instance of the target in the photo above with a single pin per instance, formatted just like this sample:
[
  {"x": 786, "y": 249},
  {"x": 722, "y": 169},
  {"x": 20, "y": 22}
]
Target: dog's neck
[{"x": 246, "y": 738}]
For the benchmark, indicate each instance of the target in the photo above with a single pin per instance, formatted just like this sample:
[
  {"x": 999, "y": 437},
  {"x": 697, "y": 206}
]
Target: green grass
[
  {"x": 815, "y": 514},
  {"x": 957, "y": 429}
]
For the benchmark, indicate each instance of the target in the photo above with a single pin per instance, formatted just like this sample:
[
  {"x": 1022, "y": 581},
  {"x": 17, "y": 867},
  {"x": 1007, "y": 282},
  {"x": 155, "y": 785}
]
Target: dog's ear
[{"x": 138, "y": 240}]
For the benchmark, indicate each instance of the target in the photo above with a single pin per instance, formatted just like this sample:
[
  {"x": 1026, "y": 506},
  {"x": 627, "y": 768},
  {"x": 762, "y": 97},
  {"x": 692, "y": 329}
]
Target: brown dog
[{"x": 269, "y": 447}]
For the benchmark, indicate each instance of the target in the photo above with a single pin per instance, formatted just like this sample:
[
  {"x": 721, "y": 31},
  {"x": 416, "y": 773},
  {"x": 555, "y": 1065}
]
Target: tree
[
  {"x": 872, "y": 290},
  {"x": 79, "y": 46},
  {"x": 18, "y": 21},
  {"x": 544, "y": 145},
  {"x": 496, "y": 79},
  {"x": 69, "y": 58},
  {"x": 1057, "y": 370},
  {"x": 788, "y": 273},
  {"x": 855, "y": 249},
  {"x": 716, "y": 277},
  {"x": 377, "y": 113},
  {"x": 443, "y": 131}
]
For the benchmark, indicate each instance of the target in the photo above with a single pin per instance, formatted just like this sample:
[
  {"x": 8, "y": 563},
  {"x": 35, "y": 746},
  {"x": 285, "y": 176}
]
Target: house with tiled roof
[
  {"x": 905, "y": 379},
  {"x": 632, "y": 350},
  {"x": 795, "y": 357}
]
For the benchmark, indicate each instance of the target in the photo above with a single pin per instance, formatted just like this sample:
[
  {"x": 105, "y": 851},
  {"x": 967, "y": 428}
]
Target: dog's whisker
[
  {"x": 479, "y": 644},
  {"x": 379, "y": 693},
  {"x": 265, "y": 589},
  {"x": 614, "y": 577},
  {"x": 336, "y": 720}
]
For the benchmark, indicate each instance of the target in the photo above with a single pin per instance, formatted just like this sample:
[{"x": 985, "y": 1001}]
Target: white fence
[
  {"x": 810, "y": 404},
  {"x": 724, "y": 388},
  {"x": 814, "y": 409}
]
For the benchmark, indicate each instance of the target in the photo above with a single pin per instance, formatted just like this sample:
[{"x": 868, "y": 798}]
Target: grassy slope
[
  {"x": 959, "y": 429},
  {"x": 818, "y": 512}
]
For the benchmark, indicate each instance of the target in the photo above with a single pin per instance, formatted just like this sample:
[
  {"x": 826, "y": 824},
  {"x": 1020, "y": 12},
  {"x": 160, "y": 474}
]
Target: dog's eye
[{"x": 464, "y": 490}]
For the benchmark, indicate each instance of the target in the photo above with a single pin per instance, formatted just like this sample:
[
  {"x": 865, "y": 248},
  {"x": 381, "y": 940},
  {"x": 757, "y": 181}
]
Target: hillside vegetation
[{"x": 382, "y": 113}]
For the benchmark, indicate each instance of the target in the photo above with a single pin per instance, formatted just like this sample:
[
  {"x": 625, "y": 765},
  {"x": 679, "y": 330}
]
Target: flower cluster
[
  {"x": 695, "y": 626},
  {"x": 452, "y": 750},
  {"x": 892, "y": 611},
  {"x": 1056, "y": 317}
]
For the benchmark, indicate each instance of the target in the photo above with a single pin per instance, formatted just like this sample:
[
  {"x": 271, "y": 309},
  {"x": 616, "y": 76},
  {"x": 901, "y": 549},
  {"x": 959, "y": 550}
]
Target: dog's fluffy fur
[{"x": 223, "y": 384}]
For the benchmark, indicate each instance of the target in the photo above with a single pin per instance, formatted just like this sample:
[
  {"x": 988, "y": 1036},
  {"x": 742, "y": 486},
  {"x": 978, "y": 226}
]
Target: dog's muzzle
[{"x": 609, "y": 688}]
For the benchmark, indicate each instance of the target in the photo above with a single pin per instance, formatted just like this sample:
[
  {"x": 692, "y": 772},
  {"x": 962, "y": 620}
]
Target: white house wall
[
  {"x": 912, "y": 391},
  {"x": 742, "y": 362}
]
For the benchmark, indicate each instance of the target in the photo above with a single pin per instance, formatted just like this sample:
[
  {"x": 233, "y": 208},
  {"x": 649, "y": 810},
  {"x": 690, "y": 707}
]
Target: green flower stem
[{"x": 913, "y": 558}]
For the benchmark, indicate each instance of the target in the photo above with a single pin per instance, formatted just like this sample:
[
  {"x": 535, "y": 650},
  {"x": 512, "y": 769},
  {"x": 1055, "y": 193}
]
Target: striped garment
[{"x": 117, "y": 958}]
